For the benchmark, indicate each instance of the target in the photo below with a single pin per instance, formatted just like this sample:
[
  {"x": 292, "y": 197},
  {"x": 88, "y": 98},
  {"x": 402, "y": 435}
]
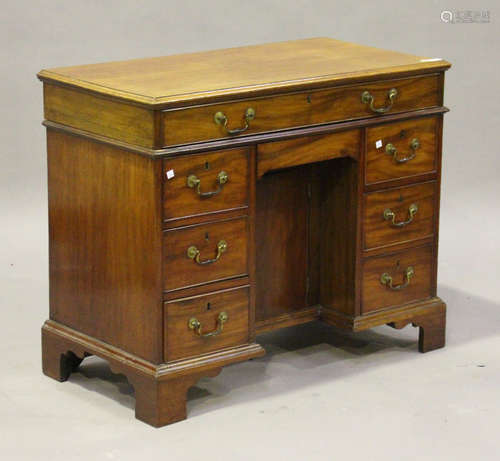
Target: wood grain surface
[
  {"x": 105, "y": 243},
  {"x": 307, "y": 149},
  {"x": 376, "y": 296},
  {"x": 299, "y": 109},
  {"x": 379, "y": 232},
  {"x": 100, "y": 116},
  {"x": 181, "y": 272},
  {"x": 282, "y": 242},
  {"x": 180, "y": 201},
  {"x": 182, "y": 342},
  {"x": 246, "y": 70},
  {"x": 338, "y": 235},
  {"x": 381, "y": 167}
]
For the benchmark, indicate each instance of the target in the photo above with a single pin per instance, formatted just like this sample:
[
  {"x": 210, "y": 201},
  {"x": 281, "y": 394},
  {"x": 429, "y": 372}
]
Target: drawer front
[
  {"x": 377, "y": 295},
  {"x": 401, "y": 150},
  {"x": 398, "y": 215},
  {"x": 187, "y": 320},
  {"x": 205, "y": 183},
  {"x": 187, "y": 125},
  {"x": 308, "y": 149},
  {"x": 205, "y": 253}
]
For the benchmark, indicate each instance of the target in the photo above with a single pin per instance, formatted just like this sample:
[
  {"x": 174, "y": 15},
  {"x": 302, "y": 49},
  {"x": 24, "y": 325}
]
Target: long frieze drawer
[
  {"x": 307, "y": 149},
  {"x": 250, "y": 116},
  {"x": 205, "y": 183},
  {"x": 398, "y": 215},
  {"x": 205, "y": 253},
  {"x": 202, "y": 324},
  {"x": 396, "y": 279},
  {"x": 401, "y": 150}
]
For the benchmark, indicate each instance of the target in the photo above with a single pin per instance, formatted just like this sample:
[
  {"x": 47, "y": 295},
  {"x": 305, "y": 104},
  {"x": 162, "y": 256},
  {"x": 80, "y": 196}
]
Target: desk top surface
[{"x": 240, "y": 72}]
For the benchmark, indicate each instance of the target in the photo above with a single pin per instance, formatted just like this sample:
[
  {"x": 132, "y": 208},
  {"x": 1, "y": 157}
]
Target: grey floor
[{"x": 318, "y": 394}]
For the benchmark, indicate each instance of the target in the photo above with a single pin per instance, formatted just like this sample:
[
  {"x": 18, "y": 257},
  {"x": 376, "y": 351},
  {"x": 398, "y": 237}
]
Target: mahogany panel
[
  {"x": 252, "y": 196},
  {"x": 381, "y": 232},
  {"x": 298, "y": 317},
  {"x": 179, "y": 200},
  {"x": 105, "y": 243},
  {"x": 182, "y": 342},
  {"x": 338, "y": 234},
  {"x": 377, "y": 296},
  {"x": 195, "y": 124},
  {"x": 180, "y": 271},
  {"x": 262, "y": 69},
  {"x": 99, "y": 116},
  {"x": 307, "y": 149},
  {"x": 381, "y": 166},
  {"x": 201, "y": 289},
  {"x": 281, "y": 243}
]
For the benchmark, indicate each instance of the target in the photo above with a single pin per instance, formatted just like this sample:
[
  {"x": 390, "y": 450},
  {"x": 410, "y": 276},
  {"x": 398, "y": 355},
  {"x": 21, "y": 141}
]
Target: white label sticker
[
  {"x": 170, "y": 174},
  {"x": 378, "y": 144}
]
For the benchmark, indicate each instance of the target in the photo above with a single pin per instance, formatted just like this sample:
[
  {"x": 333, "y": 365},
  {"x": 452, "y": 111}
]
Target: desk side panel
[
  {"x": 97, "y": 115},
  {"x": 282, "y": 241},
  {"x": 105, "y": 243},
  {"x": 338, "y": 234}
]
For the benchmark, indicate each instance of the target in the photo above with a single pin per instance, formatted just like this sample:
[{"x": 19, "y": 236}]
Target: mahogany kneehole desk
[{"x": 198, "y": 200}]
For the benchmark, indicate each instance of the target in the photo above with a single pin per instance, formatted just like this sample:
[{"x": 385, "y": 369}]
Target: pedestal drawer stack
[
  {"x": 205, "y": 252},
  {"x": 400, "y": 209}
]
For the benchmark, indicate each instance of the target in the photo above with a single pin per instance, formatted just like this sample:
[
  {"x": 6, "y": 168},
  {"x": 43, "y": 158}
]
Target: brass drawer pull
[
  {"x": 390, "y": 149},
  {"x": 195, "y": 183},
  {"x": 386, "y": 279},
  {"x": 221, "y": 119},
  {"x": 194, "y": 253},
  {"x": 367, "y": 98},
  {"x": 389, "y": 215},
  {"x": 195, "y": 324}
]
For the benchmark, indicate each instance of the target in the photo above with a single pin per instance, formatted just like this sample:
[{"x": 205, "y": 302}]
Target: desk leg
[
  {"x": 432, "y": 328},
  {"x": 161, "y": 402},
  {"x": 160, "y": 392},
  {"x": 58, "y": 358}
]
